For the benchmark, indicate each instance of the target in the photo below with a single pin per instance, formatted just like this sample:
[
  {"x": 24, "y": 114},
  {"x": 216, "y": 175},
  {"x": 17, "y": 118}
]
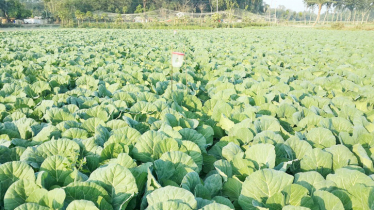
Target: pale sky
[{"x": 295, "y": 5}]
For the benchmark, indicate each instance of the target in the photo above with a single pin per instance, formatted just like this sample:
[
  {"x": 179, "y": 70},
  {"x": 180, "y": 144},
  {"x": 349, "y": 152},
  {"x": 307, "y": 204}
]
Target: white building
[{"x": 35, "y": 21}]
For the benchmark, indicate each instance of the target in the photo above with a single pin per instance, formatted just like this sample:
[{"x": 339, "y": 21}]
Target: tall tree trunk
[
  {"x": 367, "y": 18},
  {"x": 324, "y": 19},
  {"x": 144, "y": 5},
  {"x": 269, "y": 17},
  {"x": 341, "y": 16},
  {"x": 362, "y": 17},
  {"x": 275, "y": 17},
  {"x": 3, "y": 10},
  {"x": 354, "y": 17},
  {"x": 319, "y": 14}
]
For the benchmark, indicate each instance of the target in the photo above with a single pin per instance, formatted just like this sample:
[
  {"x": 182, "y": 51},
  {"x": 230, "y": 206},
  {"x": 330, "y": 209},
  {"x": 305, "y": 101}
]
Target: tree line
[
  {"x": 64, "y": 9},
  {"x": 356, "y": 9},
  {"x": 336, "y": 10},
  {"x": 132, "y": 6},
  {"x": 69, "y": 9}
]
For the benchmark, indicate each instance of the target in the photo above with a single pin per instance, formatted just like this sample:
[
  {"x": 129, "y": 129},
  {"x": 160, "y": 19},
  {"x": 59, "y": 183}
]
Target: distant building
[
  {"x": 18, "y": 22},
  {"x": 35, "y": 21},
  {"x": 138, "y": 19}
]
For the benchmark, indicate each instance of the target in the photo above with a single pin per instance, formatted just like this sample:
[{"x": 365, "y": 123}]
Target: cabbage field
[{"x": 256, "y": 119}]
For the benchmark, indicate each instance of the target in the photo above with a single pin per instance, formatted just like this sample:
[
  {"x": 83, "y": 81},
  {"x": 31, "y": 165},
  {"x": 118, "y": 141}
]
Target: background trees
[
  {"x": 355, "y": 11},
  {"x": 14, "y": 9},
  {"x": 355, "y": 8},
  {"x": 319, "y": 4},
  {"x": 130, "y": 6}
]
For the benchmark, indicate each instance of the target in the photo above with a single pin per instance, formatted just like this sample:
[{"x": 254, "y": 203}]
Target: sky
[{"x": 295, "y": 5}]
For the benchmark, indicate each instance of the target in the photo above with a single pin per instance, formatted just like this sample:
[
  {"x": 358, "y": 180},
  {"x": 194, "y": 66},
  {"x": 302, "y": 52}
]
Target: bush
[
  {"x": 337, "y": 26},
  {"x": 10, "y": 25},
  {"x": 359, "y": 27}
]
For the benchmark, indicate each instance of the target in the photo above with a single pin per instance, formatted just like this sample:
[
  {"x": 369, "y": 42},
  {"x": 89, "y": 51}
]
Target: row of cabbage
[{"x": 89, "y": 120}]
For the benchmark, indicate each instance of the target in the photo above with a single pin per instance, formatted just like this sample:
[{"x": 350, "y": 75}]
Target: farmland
[{"x": 256, "y": 119}]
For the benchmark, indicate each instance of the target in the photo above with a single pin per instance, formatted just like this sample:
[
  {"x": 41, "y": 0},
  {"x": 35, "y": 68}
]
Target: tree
[
  {"x": 64, "y": 15},
  {"x": 311, "y": 7},
  {"x": 96, "y": 17},
  {"x": 119, "y": 18},
  {"x": 364, "y": 6},
  {"x": 201, "y": 7},
  {"x": 300, "y": 15},
  {"x": 3, "y": 8},
  {"x": 319, "y": 3},
  {"x": 139, "y": 9},
  {"x": 46, "y": 14},
  {"x": 216, "y": 17},
  {"x": 230, "y": 5},
  {"x": 14, "y": 9},
  {"x": 213, "y": 4},
  {"x": 328, "y": 6},
  {"x": 89, "y": 15},
  {"x": 144, "y": 5},
  {"x": 124, "y": 9},
  {"x": 338, "y": 6},
  {"x": 131, "y": 6},
  {"x": 286, "y": 15},
  {"x": 79, "y": 15},
  {"x": 350, "y": 5},
  {"x": 104, "y": 17}
]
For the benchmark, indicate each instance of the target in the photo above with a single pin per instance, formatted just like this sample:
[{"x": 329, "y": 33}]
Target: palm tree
[
  {"x": 104, "y": 17},
  {"x": 96, "y": 17},
  {"x": 89, "y": 15},
  {"x": 79, "y": 15},
  {"x": 319, "y": 3}
]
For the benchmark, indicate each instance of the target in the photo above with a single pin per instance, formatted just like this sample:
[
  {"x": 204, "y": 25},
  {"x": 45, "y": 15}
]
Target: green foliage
[
  {"x": 89, "y": 15},
  {"x": 337, "y": 25},
  {"x": 87, "y": 125},
  {"x": 139, "y": 9},
  {"x": 216, "y": 17},
  {"x": 124, "y": 9},
  {"x": 14, "y": 9}
]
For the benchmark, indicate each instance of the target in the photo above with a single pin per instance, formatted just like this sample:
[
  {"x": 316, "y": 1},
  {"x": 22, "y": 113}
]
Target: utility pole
[{"x": 217, "y": 6}]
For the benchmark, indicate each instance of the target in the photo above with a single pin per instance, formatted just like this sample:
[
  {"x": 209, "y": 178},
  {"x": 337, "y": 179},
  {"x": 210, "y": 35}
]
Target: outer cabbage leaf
[
  {"x": 261, "y": 185},
  {"x": 118, "y": 181}
]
